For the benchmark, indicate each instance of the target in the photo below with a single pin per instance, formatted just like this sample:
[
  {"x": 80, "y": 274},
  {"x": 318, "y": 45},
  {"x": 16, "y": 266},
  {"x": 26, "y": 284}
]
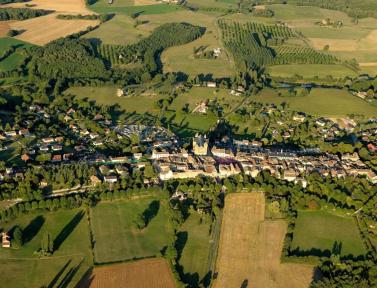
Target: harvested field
[
  {"x": 63, "y": 6},
  {"x": 4, "y": 28},
  {"x": 42, "y": 30},
  {"x": 334, "y": 44},
  {"x": 250, "y": 248},
  {"x": 145, "y": 2},
  {"x": 145, "y": 273}
]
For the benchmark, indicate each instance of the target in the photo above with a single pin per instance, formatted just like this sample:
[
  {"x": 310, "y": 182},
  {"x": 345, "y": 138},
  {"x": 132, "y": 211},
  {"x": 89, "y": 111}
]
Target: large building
[{"x": 200, "y": 145}]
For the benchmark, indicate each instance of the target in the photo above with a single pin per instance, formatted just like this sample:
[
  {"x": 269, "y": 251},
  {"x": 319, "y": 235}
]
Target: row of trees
[{"x": 21, "y": 13}]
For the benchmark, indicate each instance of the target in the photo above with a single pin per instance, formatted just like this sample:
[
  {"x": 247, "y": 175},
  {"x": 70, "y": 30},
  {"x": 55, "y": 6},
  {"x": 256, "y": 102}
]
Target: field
[
  {"x": 322, "y": 102},
  {"x": 106, "y": 95},
  {"x": 16, "y": 58},
  {"x": 70, "y": 261},
  {"x": 44, "y": 29},
  {"x": 181, "y": 58},
  {"x": 250, "y": 248},
  {"x": 119, "y": 30},
  {"x": 320, "y": 230},
  {"x": 196, "y": 239},
  {"x": 309, "y": 71},
  {"x": 4, "y": 28},
  {"x": 154, "y": 273},
  {"x": 128, "y": 7},
  {"x": 351, "y": 41},
  {"x": 117, "y": 238}
]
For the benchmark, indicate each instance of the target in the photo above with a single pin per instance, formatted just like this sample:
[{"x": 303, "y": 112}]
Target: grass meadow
[
  {"x": 320, "y": 230},
  {"x": 15, "y": 59},
  {"x": 322, "y": 102},
  {"x": 194, "y": 258},
  {"x": 70, "y": 261},
  {"x": 309, "y": 71},
  {"x": 115, "y": 235}
]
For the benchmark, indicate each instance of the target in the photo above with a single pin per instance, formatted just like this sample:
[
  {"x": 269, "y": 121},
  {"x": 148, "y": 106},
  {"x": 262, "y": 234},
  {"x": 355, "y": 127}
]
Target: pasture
[
  {"x": 310, "y": 71},
  {"x": 106, "y": 95},
  {"x": 250, "y": 248},
  {"x": 320, "y": 230},
  {"x": 194, "y": 236},
  {"x": 72, "y": 258},
  {"x": 119, "y": 30},
  {"x": 321, "y": 102},
  {"x": 115, "y": 235},
  {"x": 127, "y": 7},
  {"x": 14, "y": 60},
  {"x": 144, "y": 273}
]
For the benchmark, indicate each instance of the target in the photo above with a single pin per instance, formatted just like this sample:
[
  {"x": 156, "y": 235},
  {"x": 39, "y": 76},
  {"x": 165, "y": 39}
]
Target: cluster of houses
[{"x": 250, "y": 158}]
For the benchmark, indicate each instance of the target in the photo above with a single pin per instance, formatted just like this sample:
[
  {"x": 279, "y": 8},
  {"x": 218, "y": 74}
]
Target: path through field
[{"x": 250, "y": 248}]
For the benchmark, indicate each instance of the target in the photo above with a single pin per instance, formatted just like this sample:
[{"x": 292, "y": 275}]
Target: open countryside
[{"x": 188, "y": 143}]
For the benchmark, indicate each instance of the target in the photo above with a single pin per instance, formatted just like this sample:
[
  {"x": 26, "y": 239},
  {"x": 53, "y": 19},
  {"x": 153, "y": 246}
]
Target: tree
[
  {"x": 47, "y": 244},
  {"x": 17, "y": 240}
]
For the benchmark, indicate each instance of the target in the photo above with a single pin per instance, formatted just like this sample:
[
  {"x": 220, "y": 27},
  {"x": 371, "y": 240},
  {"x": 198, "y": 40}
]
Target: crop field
[
  {"x": 322, "y": 102},
  {"x": 44, "y": 29},
  {"x": 250, "y": 248},
  {"x": 320, "y": 230},
  {"x": 70, "y": 261},
  {"x": 309, "y": 71},
  {"x": 154, "y": 273},
  {"x": 351, "y": 41},
  {"x": 195, "y": 236},
  {"x": 63, "y": 6},
  {"x": 117, "y": 238},
  {"x": 4, "y": 28}
]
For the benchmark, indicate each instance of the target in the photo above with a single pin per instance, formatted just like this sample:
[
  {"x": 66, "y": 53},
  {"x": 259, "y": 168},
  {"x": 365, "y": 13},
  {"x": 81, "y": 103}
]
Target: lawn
[
  {"x": 72, "y": 258},
  {"x": 106, "y": 95},
  {"x": 320, "y": 230},
  {"x": 322, "y": 102},
  {"x": 115, "y": 235},
  {"x": 309, "y": 71},
  {"x": 196, "y": 239}
]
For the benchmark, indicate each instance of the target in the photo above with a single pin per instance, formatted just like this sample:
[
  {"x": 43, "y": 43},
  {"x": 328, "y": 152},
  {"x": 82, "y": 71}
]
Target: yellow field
[
  {"x": 250, "y": 248},
  {"x": 63, "y": 6},
  {"x": 4, "y": 28},
  {"x": 144, "y": 2},
  {"x": 335, "y": 44},
  {"x": 42, "y": 30}
]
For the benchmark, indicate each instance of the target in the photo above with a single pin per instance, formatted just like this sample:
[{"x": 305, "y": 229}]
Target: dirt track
[{"x": 250, "y": 248}]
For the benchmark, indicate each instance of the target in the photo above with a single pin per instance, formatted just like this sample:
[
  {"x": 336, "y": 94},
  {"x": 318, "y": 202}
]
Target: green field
[
  {"x": 194, "y": 258},
  {"x": 127, "y": 7},
  {"x": 116, "y": 237},
  {"x": 69, "y": 229},
  {"x": 16, "y": 58},
  {"x": 322, "y": 102},
  {"x": 309, "y": 71},
  {"x": 119, "y": 30},
  {"x": 320, "y": 230},
  {"x": 106, "y": 95}
]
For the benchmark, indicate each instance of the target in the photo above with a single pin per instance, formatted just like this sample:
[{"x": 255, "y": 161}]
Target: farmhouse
[{"x": 5, "y": 240}]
